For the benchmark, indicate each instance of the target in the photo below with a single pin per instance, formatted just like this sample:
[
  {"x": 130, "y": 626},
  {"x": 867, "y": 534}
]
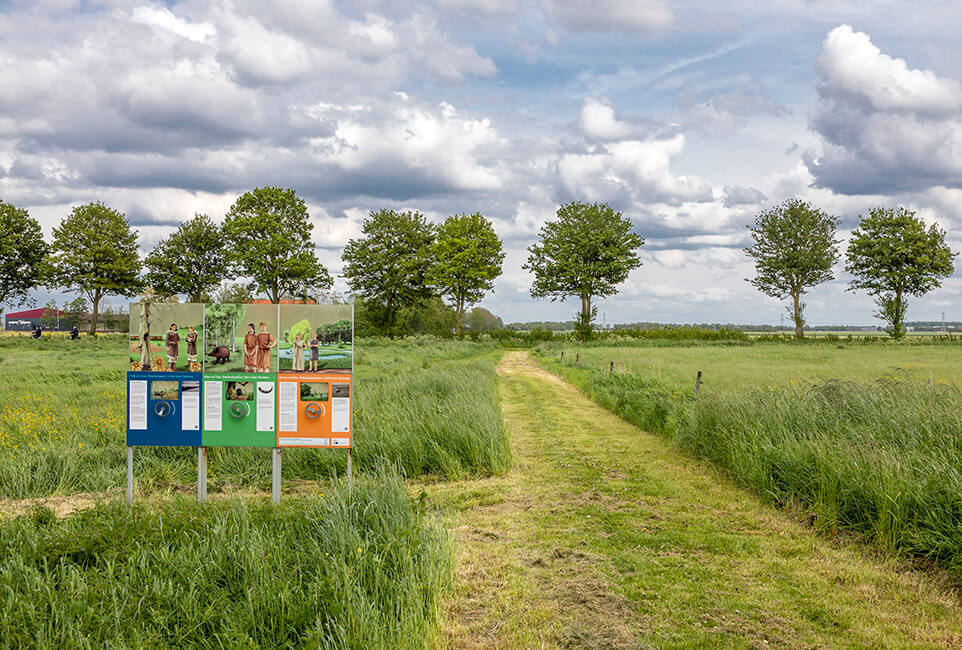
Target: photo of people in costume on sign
[
  {"x": 166, "y": 336},
  {"x": 240, "y": 338},
  {"x": 316, "y": 338}
]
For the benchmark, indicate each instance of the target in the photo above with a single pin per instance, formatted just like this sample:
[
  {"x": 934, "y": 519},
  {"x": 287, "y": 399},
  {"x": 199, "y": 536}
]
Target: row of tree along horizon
[
  {"x": 407, "y": 274},
  {"x": 480, "y": 320}
]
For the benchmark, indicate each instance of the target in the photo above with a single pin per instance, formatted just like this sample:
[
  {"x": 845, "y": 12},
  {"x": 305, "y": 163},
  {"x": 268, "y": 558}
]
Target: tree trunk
[
  {"x": 585, "y": 318},
  {"x": 897, "y": 326},
  {"x": 389, "y": 318},
  {"x": 797, "y": 316},
  {"x": 458, "y": 315},
  {"x": 95, "y": 313}
]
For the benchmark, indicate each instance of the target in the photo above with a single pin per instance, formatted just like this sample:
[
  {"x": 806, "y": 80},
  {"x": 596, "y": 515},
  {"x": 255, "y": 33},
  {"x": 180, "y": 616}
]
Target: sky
[{"x": 687, "y": 118}]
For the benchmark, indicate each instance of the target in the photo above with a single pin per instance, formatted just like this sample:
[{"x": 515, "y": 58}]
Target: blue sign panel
[{"x": 163, "y": 409}]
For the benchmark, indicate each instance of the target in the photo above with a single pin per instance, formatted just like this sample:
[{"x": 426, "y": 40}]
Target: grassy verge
[
  {"x": 362, "y": 569},
  {"x": 604, "y": 536},
  {"x": 881, "y": 459},
  {"x": 426, "y": 405}
]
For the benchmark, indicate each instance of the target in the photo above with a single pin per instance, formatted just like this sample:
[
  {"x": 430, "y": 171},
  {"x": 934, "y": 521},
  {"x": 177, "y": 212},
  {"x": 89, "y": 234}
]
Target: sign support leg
[
  {"x": 276, "y": 475},
  {"x": 201, "y": 474},
  {"x": 130, "y": 475}
]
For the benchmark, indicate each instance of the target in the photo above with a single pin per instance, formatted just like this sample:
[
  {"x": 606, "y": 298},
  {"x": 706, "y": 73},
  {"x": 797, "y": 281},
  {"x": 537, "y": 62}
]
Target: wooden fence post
[{"x": 698, "y": 382}]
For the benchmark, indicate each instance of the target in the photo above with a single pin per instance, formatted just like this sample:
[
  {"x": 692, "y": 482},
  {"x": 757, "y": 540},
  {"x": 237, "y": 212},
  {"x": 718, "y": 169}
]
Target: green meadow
[
  {"x": 808, "y": 496},
  {"x": 427, "y": 407},
  {"x": 864, "y": 438}
]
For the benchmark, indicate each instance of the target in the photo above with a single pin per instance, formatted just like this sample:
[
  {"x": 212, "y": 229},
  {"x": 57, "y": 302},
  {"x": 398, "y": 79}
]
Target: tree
[
  {"x": 112, "y": 319},
  {"x": 268, "y": 231},
  {"x": 893, "y": 255},
  {"x": 22, "y": 254},
  {"x": 50, "y": 317},
  {"x": 75, "y": 311},
  {"x": 480, "y": 319},
  {"x": 95, "y": 251},
  {"x": 388, "y": 266},
  {"x": 428, "y": 316},
  {"x": 587, "y": 252},
  {"x": 234, "y": 293},
  {"x": 221, "y": 321},
  {"x": 192, "y": 261},
  {"x": 467, "y": 259},
  {"x": 794, "y": 248}
]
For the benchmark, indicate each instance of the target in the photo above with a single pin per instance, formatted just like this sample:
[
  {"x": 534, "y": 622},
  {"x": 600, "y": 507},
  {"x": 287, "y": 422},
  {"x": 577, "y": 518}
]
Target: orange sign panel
[{"x": 314, "y": 409}]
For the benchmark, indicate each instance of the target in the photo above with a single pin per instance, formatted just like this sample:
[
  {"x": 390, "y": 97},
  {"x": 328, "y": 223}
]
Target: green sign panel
[{"x": 240, "y": 410}]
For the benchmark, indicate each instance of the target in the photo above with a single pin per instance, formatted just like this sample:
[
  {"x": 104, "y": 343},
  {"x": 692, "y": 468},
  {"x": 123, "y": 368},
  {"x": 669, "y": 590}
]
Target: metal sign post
[
  {"x": 130, "y": 475},
  {"x": 201, "y": 474},
  {"x": 276, "y": 475}
]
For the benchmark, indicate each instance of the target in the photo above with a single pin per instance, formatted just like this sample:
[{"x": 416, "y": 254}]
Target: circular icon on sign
[
  {"x": 162, "y": 409},
  {"x": 239, "y": 410},
  {"x": 314, "y": 410}
]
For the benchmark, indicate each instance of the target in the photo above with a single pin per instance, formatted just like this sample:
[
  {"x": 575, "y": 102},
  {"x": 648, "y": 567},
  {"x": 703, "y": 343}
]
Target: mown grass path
[{"x": 604, "y": 536}]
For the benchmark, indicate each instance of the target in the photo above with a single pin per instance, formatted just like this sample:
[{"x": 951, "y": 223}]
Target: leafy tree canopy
[
  {"x": 794, "y": 248},
  {"x": 233, "y": 293},
  {"x": 192, "y": 261},
  {"x": 22, "y": 254},
  {"x": 268, "y": 231},
  {"x": 586, "y": 252},
  {"x": 892, "y": 255},
  {"x": 480, "y": 319},
  {"x": 467, "y": 259},
  {"x": 95, "y": 252},
  {"x": 388, "y": 266}
]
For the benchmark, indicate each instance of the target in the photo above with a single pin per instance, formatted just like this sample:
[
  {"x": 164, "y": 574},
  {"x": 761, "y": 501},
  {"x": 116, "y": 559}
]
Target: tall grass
[
  {"x": 882, "y": 459},
  {"x": 424, "y": 404},
  {"x": 344, "y": 570}
]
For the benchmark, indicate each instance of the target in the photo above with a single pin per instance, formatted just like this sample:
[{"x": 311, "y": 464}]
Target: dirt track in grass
[{"x": 605, "y": 536}]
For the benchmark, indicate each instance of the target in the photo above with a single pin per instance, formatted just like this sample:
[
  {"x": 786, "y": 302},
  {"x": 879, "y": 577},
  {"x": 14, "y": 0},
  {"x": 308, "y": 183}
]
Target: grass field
[
  {"x": 735, "y": 367},
  {"x": 867, "y": 439},
  {"x": 363, "y": 569},
  {"x": 584, "y": 531},
  {"x": 425, "y": 406},
  {"x": 604, "y": 536}
]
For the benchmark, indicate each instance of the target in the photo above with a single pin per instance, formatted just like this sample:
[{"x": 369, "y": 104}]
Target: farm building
[{"x": 28, "y": 319}]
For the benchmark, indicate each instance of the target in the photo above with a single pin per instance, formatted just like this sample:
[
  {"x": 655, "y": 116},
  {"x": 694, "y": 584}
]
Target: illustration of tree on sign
[
  {"x": 220, "y": 324},
  {"x": 144, "y": 342}
]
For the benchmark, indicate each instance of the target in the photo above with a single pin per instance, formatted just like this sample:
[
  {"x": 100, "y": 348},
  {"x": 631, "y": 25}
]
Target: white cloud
[
  {"x": 440, "y": 143},
  {"x": 262, "y": 55},
  {"x": 850, "y": 63},
  {"x": 598, "y": 121},
  {"x": 169, "y": 95},
  {"x": 610, "y": 15},
  {"x": 163, "y": 18},
  {"x": 638, "y": 170},
  {"x": 885, "y": 127}
]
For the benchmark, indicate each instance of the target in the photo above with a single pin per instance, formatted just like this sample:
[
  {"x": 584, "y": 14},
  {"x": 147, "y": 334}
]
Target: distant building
[{"x": 28, "y": 320}]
